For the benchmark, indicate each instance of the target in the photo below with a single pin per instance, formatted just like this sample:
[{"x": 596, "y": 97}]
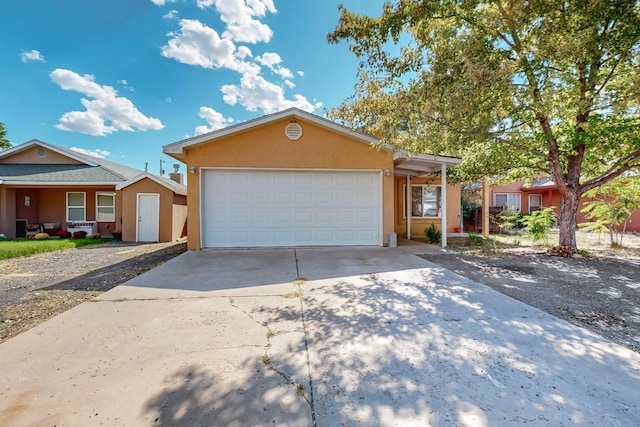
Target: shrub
[
  {"x": 41, "y": 236},
  {"x": 79, "y": 234},
  {"x": 539, "y": 222},
  {"x": 95, "y": 236},
  {"x": 63, "y": 234},
  {"x": 474, "y": 240},
  {"x": 432, "y": 234}
]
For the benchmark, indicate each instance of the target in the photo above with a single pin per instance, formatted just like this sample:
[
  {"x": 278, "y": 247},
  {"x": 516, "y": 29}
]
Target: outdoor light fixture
[
  {"x": 387, "y": 172},
  {"x": 192, "y": 169},
  {"x": 27, "y": 200}
]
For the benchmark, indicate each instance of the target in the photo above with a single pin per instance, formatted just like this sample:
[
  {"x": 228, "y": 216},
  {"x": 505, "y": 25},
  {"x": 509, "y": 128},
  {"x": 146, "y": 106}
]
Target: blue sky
[{"x": 122, "y": 78}]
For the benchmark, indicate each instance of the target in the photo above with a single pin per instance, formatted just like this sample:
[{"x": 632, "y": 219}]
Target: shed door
[
  {"x": 258, "y": 207},
  {"x": 148, "y": 217}
]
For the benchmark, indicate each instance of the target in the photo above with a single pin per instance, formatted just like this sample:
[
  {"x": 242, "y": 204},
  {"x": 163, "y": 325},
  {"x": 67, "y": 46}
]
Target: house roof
[
  {"x": 414, "y": 164},
  {"x": 178, "y": 149},
  {"x": 90, "y": 171},
  {"x": 165, "y": 182},
  {"x": 544, "y": 183}
]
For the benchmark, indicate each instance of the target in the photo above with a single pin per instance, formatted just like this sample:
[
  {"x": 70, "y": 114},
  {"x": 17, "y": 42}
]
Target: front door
[{"x": 148, "y": 217}]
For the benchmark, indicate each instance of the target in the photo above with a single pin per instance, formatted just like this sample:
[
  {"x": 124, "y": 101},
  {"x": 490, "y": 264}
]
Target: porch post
[
  {"x": 485, "y": 209},
  {"x": 443, "y": 203},
  {"x": 407, "y": 199}
]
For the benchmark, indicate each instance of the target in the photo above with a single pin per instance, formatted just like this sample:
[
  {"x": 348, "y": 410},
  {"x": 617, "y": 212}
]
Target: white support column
[
  {"x": 443, "y": 204},
  {"x": 407, "y": 199}
]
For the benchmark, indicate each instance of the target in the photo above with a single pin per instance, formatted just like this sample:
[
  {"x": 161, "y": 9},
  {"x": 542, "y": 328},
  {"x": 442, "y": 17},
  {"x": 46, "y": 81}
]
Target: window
[
  {"x": 510, "y": 200},
  {"x": 425, "y": 201},
  {"x": 535, "y": 202},
  {"x": 76, "y": 210},
  {"x": 105, "y": 207}
]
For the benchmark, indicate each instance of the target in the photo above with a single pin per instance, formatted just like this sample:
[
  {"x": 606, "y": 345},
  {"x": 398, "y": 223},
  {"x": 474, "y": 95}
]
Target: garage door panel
[{"x": 290, "y": 208}]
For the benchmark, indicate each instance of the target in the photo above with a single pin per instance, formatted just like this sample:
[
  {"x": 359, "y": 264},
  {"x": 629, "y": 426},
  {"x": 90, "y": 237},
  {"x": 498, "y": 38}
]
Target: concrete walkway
[{"x": 297, "y": 337}]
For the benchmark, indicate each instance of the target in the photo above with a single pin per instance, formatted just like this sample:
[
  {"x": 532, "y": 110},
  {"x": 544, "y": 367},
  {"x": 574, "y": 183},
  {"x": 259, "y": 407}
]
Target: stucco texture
[
  {"x": 268, "y": 147},
  {"x": 172, "y": 217},
  {"x": 419, "y": 224}
]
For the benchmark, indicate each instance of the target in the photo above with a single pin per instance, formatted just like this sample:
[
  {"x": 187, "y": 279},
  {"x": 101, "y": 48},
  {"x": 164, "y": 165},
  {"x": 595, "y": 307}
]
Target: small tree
[
  {"x": 4, "y": 142},
  {"x": 538, "y": 223},
  {"x": 611, "y": 207},
  {"x": 507, "y": 220}
]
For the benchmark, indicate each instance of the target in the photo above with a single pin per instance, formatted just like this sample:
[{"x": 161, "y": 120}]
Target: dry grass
[{"x": 45, "y": 305}]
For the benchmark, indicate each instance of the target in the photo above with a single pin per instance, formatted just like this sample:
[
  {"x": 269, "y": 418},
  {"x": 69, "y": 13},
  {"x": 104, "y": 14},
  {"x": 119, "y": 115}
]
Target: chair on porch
[{"x": 31, "y": 230}]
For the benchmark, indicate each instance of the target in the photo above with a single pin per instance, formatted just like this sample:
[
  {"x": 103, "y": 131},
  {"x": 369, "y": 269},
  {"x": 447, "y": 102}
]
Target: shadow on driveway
[{"x": 414, "y": 346}]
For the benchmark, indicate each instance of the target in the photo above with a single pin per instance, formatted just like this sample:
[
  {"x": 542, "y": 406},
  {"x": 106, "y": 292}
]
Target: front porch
[
  {"x": 28, "y": 210},
  {"x": 429, "y": 200}
]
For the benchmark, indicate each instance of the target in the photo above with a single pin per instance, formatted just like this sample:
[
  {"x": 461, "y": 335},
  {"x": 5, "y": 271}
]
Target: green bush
[
  {"x": 432, "y": 233},
  {"x": 538, "y": 223},
  {"x": 474, "y": 240}
]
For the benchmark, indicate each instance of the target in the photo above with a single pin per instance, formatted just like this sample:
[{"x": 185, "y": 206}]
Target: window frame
[
  {"x": 84, "y": 206},
  {"x": 404, "y": 200},
  {"x": 529, "y": 200},
  {"x": 112, "y": 206},
  {"x": 519, "y": 196}
]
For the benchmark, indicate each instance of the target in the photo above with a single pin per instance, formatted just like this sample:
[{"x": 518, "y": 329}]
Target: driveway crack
[
  {"x": 269, "y": 364},
  {"x": 306, "y": 348}
]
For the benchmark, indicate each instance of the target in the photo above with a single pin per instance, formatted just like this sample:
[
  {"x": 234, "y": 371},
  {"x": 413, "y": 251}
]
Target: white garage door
[{"x": 245, "y": 208}]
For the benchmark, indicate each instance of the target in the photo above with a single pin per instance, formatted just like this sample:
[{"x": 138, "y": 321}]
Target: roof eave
[
  {"x": 35, "y": 142},
  {"x": 177, "y": 149},
  {"x": 58, "y": 183},
  {"x": 177, "y": 188}
]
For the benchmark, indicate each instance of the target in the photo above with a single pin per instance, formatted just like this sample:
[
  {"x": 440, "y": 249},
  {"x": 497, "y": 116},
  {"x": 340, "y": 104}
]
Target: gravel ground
[
  {"x": 601, "y": 293},
  {"x": 37, "y": 287}
]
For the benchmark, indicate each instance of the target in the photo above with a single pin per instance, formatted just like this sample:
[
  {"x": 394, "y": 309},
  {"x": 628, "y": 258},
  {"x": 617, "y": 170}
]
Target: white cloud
[
  {"x": 289, "y": 84},
  {"x": 300, "y": 73},
  {"x": 197, "y": 44},
  {"x": 172, "y": 14},
  {"x": 215, "y": 119},
  {"x": 271, "y": 60},
  {"x": 239, "y": 17},
  {"x": 105, "y": 113},
  {"x": 124, "y": 83},
  {"x": 162, "y": 2},
  {"x": 255, "y": 93},
  {"x": 285, "y": 73},
  {"x": 168, "y": 100},
  {"x": 101, "y": 154},
  {"x": 33, "y": 55},
  {"x": 243, "y": 52}
]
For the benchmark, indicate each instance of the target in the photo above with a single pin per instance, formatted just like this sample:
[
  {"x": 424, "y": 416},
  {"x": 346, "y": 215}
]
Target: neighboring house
[
  {"x": 523, "y": 196},
  {"x": 52, "y": 188},
  {"x": 295, "y": 179}
]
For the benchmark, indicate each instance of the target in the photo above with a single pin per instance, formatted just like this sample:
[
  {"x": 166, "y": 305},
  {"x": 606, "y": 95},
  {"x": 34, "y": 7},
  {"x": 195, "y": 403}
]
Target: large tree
[
  {"x": 529, "y": 87},
  {"x": 4, "y": 142}
]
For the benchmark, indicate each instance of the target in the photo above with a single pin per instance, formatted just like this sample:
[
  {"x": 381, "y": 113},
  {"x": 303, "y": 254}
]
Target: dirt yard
[
  {"x": 37, "y": 287},
  {"x": 600, "y": 293}
]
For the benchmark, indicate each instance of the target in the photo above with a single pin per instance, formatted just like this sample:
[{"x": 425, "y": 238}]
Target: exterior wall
[
  {"x": 553, "y": 198},
  {"x": 50, "y": 205},
  {"x": 512, "y": 188},
  {"x": 30, "y": 156},
  {"x": 268, "y": 147},
  {"x": 419, "y": 224},
  {"x": 8, "y": 212},
  {"x": 129, "y": 211}
]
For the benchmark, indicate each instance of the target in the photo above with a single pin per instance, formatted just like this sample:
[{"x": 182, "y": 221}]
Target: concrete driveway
[{"x": 301, "y": 337}]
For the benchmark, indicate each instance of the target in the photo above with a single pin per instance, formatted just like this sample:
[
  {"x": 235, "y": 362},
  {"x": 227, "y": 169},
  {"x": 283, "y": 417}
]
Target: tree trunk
[{"x": 568, "y": 218}]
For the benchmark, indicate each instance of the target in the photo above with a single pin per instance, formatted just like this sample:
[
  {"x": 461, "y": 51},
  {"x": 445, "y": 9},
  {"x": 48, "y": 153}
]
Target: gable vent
[{"x": 293, "y": 131}]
